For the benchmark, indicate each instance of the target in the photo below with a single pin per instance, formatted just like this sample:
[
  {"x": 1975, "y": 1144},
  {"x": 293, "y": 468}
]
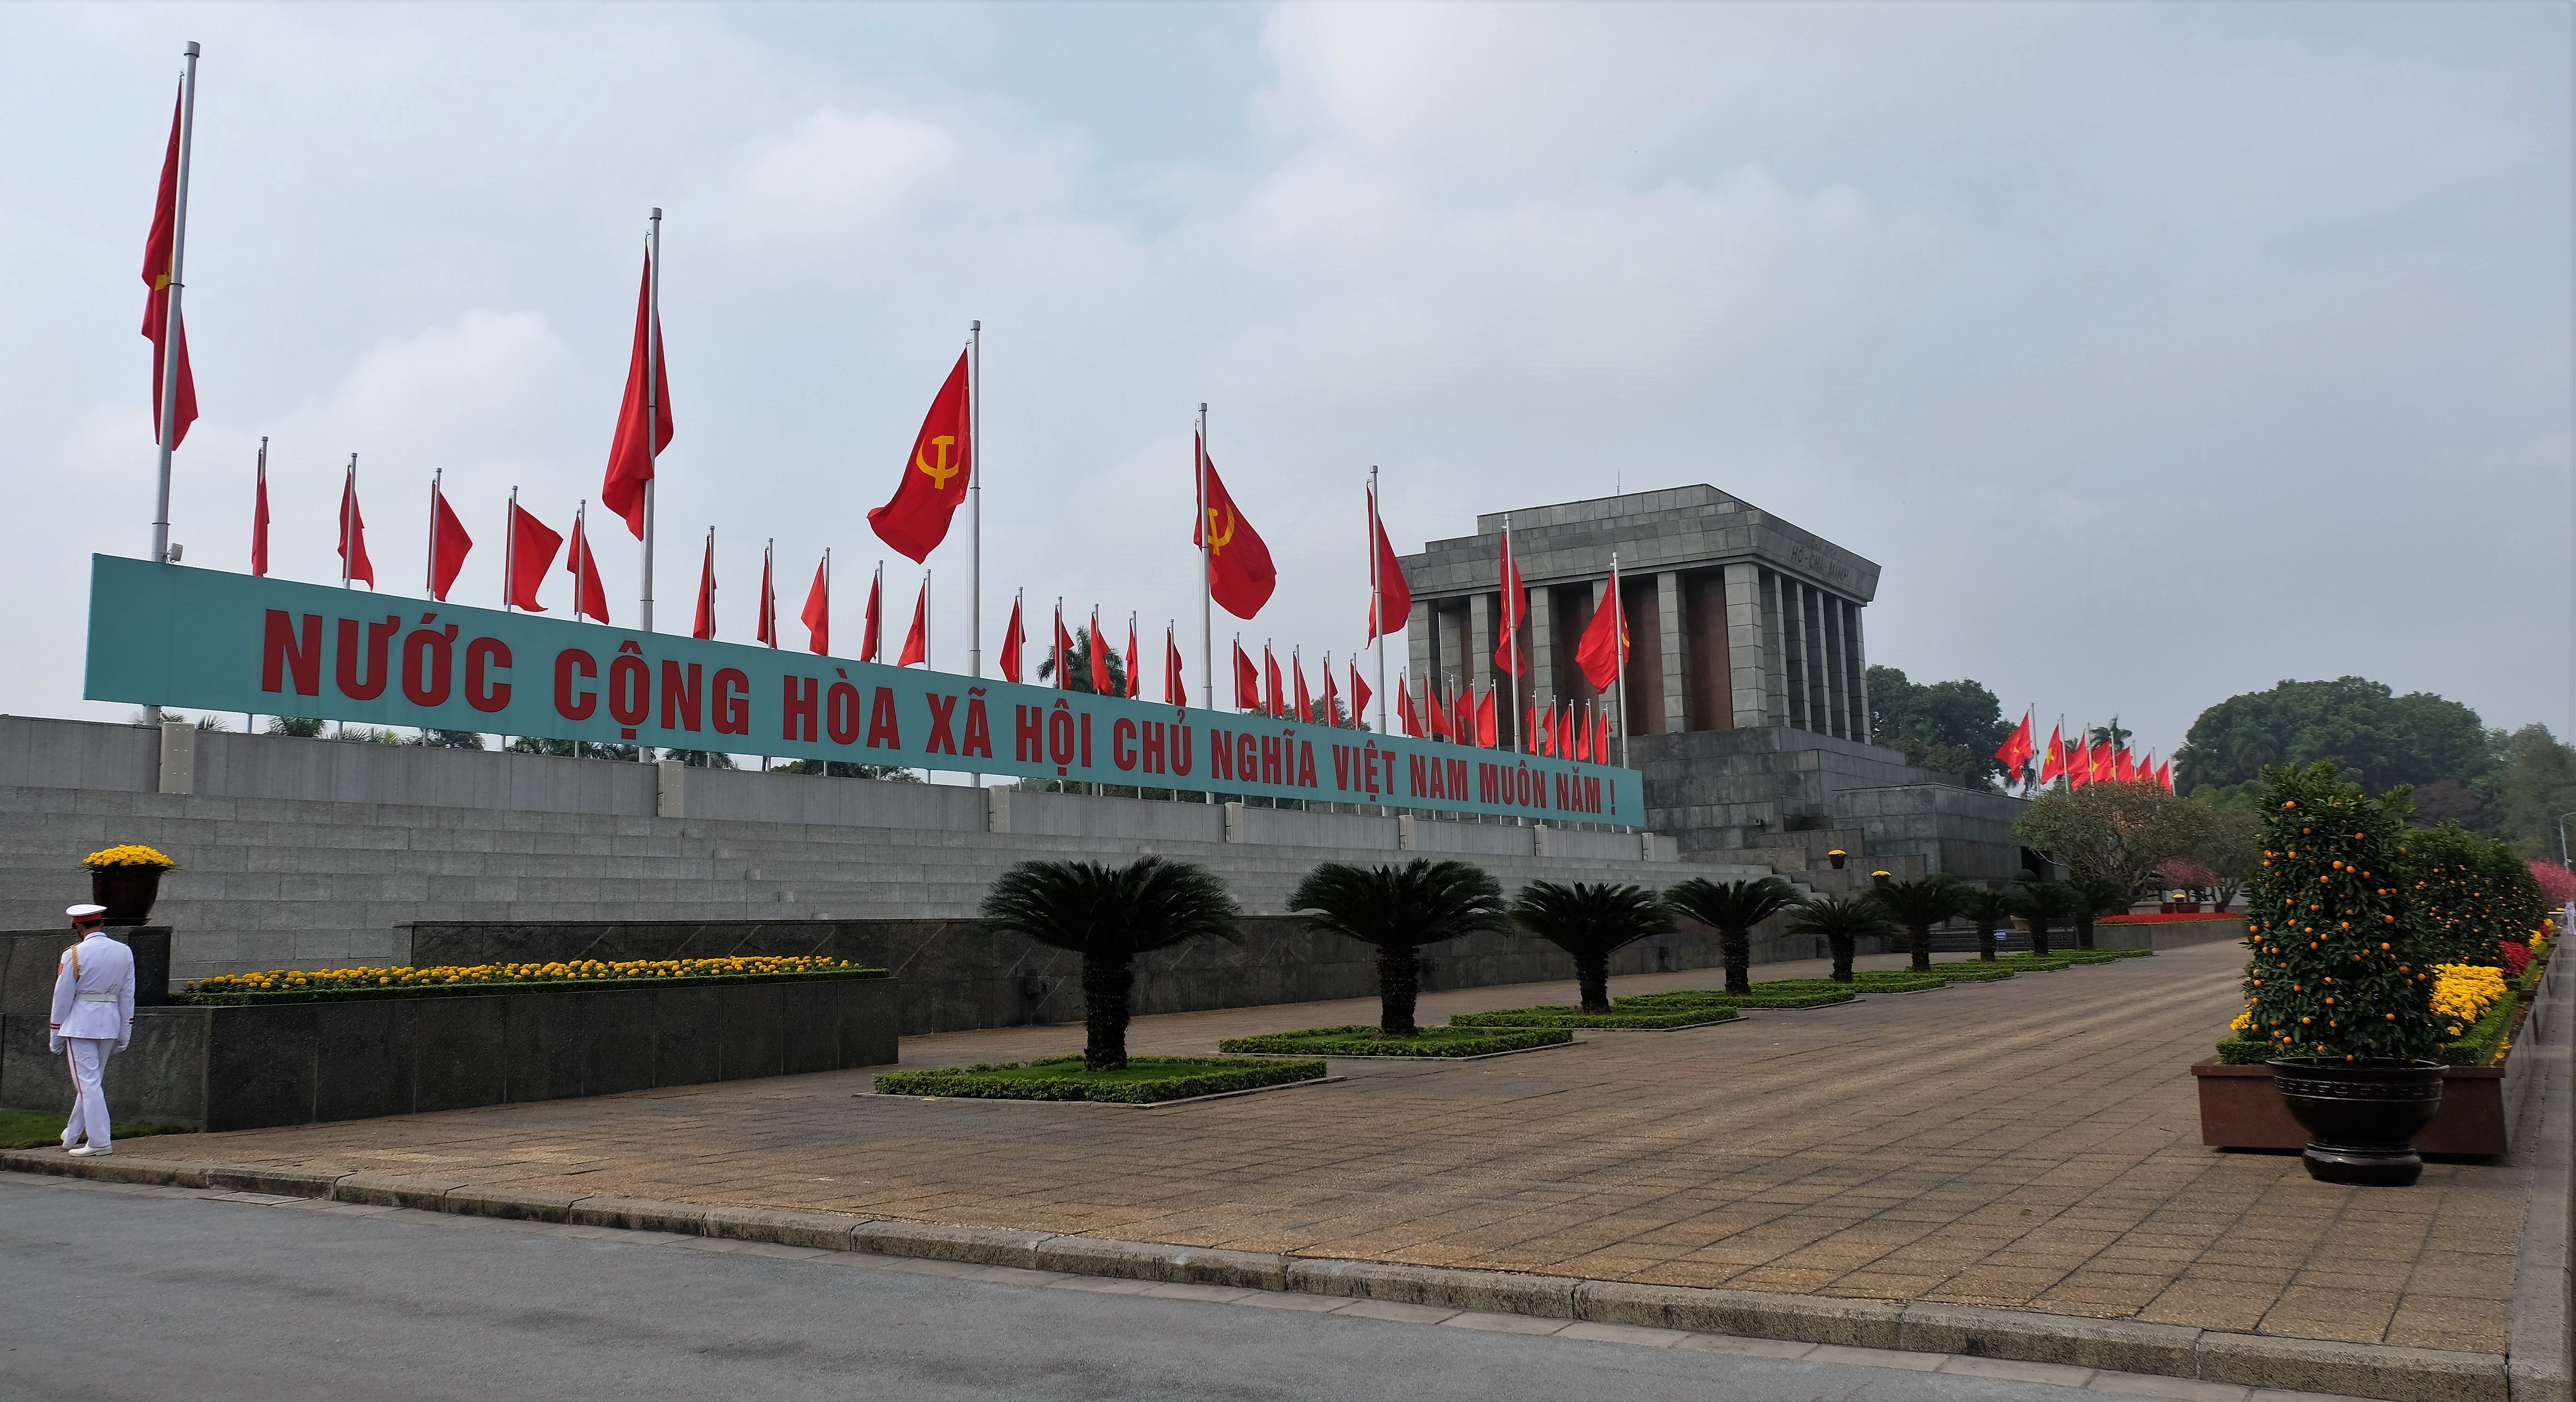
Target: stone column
[
  {"x": 1669, "y": 641},
  {"x": 1421, "y": 645},
  {"x": 1745, "y": 653},
  {"x": 1775, "y": 651},
  {"x": 1812, "y": 637},
  {"x": 1538, "y": 669},
  {"x": 1837, "y": 695},
  {"x": 1861, "y": 726},
  {"x": 1480, "y": 641}
]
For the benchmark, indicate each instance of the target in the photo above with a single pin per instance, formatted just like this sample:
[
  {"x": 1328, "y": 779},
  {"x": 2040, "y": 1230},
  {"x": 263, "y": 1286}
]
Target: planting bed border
[
  {"x": 273, "y": 997},
  {"x": 1531, "y": 1039},
  {"x": 1266, "y": 1074}
]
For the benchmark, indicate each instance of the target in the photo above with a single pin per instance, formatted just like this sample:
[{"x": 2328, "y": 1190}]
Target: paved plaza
[{"x": 2027, "y": 1144}]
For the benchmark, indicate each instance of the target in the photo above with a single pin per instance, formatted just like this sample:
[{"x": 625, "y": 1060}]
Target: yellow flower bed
[
  {"x": 2463, "y": 992},
  {"x": 568, "y": 971},
  {"x": 132, "y": 854}
]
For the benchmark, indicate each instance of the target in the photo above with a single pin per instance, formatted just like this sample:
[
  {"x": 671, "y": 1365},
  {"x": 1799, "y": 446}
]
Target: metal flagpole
[
  {"x": 509, "y": 549},
  {"x": 1619, "y": 687},
  {"x": 1207, "y": 566},
  {"x": 1377, "y": 599},
  {"x": 171, "y": 330},
  {"x": 768, "y": 608},
  {"x": 652, "y": 402},
  {"x": 348, "y": 508},
  {"x": 1512, "y": 637},
  {"x": 975, "y": 507},
  {"x": 580, "y": 567},
  {"x": 876, "y": 596},
  {"x": 429, "y": 569}
]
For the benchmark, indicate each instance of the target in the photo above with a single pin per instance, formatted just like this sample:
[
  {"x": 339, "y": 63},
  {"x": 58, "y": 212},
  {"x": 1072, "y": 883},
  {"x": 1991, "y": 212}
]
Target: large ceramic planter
[
  {"x": 127, "y": 891},
  {"x": 2361, "y": 1116}
]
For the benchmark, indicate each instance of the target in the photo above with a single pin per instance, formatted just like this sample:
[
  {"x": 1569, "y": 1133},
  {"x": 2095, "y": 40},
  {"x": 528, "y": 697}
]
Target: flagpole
[
  {"x": 1377, "y": 599},
  {"x": 348, "y": 511},
  {"x": 975, "y": 507},
  {"x": 1512, "y": 636},
  {"x": 580, "y": 567},
  {"x": 1207, "y": 566},
  {"x": 1618, "y": 650},
  {"x": 652, "y": 403},
  {"x": 876, "y": 597},
  {"x": 171, "y": 329},
  {"x": 429, "y": 569}
]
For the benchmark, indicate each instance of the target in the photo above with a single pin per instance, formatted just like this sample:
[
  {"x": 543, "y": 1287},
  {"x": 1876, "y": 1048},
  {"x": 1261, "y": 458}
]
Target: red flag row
[{"x": 2079, "y": 761}]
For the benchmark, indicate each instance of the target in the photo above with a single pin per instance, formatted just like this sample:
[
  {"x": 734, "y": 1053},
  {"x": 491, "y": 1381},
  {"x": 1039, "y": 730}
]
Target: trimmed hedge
[
  {"x": 1560, "y": 1016},
  {"x": 1972, "y": 971},
  {"x": 1187, "y": 1076},
  {"x": 1895, "y": 981},
  {"x": 200, "y": 998},
  {"x": 1776, "y": 994},
  {"x": 1361, "y": 1039}
]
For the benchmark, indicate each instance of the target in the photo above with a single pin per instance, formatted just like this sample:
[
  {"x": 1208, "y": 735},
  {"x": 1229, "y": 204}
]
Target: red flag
[
  {"x": 1063, "y": 651},
  {"x": 2015, "y": 752},
  {"x": 2164, "y": 774},
  {"x": 1014, "y": 638},
  {"x": 532, "y": 552},
  {"x": 1240, "y": 575},
  {"x": 1359, "y": 696},
  {"x": 448, "y": 544},
  {"x": 1485, "y": 719},
  {"x": 2054, "y": 764},
  {"x": 1331, "y": 701},
  {"x": 768, "y": 632},
  {"x": 1274, "y": 688},
  {"x": 1134, "y": 677},
  {"x": 589, "y": 598},
  {"x": 935, "y": 478},
  {"x": 705, "y": 624},
  {"x": 817, "y": 615},
  {"x": 1436, "y": 713},
  {"x": 1175, "y": 689},
  {"x": 872, "y": 632},
  {"x": 1405, "y": 714},
  {"x": 259, "y": 520},
  {"x": 1304, "y": 709},
  {"x": 2101, "y": 764},
  {"x": 160, "y": 248},
  {"x": 1394, "y": 602},
  {"x": 1247, "y": 680},
  {"x": 1465, "y": 701},
  {"x": 1507, "y": 653},
  {"x": 631, "y": 452},
  {"x": 2124, "y": 770},
  {"x": 916, "y": 643},
  {"x": 2079, "y": 768},
  {"x": 1603, "y": 651},
  {"x": 1101, "y": 682},
  {"x": 1588, "y": 744},
  {"x": 353, "y": 533}
]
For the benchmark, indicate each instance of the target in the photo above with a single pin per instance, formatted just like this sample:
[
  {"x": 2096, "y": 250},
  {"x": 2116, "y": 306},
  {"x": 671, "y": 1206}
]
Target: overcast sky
[{"x": 2156, "y": 353}]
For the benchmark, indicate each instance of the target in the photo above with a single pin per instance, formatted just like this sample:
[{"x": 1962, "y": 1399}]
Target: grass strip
[
  {"x": 1145, "y": 1080},
  {"x": 202, "y": 998},
  {"x": 1560, "y": 1016},
  {"x": 1778, "y": 993},
  {"x": 1361, "y": 1039},
  {"x": 37, "y": 1129}
]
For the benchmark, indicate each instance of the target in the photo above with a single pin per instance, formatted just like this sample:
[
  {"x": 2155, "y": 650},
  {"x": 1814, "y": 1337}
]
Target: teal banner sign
[{"x": 204, "y": 640}]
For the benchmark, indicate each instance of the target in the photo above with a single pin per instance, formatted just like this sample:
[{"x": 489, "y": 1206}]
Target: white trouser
[{"x": 88, "y": 1059}]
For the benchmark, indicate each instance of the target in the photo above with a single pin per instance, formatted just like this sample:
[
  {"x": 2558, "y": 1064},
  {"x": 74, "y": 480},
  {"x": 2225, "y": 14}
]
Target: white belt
[{"x": 98, "y": 997}]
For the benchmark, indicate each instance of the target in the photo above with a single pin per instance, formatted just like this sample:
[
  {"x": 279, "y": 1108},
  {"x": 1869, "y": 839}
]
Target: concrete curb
[
  {"x": 2304, "y": 1365},
  {"x": 2537, "y": 1334}
]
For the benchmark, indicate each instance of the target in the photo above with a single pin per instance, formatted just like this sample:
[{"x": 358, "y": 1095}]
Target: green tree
[
  {"x": 300, "y": 727},
  {"x": 1988, "y": 910},
  {"x": 2534, "y": 784},
  {"x": 436, "y": 739},
  {"x": 1918, "y": 906},
  {"x": 2043, "y": 904},
  {"x": 1079, "y": 665},
  {"x": 572, "y": 749},
  {"x": 2418, "y": 738},
  {"x": 1946, "y": 727},
  {"x": 1733, "y": 908},
  {"x": 2122, "y": 831},
  {"x": 2097, "y": 895},
  {"x": 1109, "y": 915},
  {"x": 2230, "y": 845},
  {"x": 1399, "y": 910},
  {"x": 1591, "y": 922},
  {"x": 2340, "y": 967},
  {"x": 846, "y": 769},
  {"x": 1843, "y": 921}
]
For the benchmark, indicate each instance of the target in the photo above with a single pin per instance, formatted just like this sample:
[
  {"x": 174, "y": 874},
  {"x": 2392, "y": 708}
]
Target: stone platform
[{"x": 2027, "y": 1147}]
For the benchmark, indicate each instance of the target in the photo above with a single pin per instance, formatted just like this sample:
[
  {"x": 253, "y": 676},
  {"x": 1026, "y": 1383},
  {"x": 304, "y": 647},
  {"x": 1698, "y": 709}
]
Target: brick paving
[{"x": 2031, "y": 1144}]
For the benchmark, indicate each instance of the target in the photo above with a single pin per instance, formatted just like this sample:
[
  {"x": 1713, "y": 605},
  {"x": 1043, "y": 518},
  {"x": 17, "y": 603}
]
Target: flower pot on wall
[
  {"x": 2361, "y": 1116},
  {"x": 127, "y": 891}
]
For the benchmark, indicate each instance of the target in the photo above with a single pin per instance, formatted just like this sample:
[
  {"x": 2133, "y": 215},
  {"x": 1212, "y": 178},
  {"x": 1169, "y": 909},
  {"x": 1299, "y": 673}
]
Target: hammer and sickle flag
[
  {"x": 935, "y": 477},
  {"x": 1240, "y": 575}
]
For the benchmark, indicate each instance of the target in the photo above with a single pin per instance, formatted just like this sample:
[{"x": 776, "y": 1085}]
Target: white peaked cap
[{"x": 77, "y": 911}]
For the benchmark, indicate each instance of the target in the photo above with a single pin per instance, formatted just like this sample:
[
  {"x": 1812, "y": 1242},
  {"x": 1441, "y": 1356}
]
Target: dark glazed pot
[
  {"x": 2361, "y": 1116},
  {"x": 127, "y": 892}
]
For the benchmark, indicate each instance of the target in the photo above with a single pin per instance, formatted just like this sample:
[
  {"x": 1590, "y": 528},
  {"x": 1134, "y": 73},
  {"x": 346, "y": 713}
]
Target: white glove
[{"x": 53, "y": 1044}]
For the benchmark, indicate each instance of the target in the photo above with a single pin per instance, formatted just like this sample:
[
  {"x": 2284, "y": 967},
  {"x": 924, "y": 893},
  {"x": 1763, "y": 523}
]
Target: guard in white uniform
[{"x": 93, "y": 1015}]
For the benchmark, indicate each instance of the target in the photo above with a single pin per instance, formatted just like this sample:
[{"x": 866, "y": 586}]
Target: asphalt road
[{"x": 160, "y": 1293}]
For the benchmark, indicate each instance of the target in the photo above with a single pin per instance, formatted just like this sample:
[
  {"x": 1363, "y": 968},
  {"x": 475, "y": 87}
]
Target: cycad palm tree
[
  {"x": 1733, "y": 908},
  {"x": 2101, "y": 896},
  {"x": 1842, "y": 920},
  {"x": 1109, "y": 915},
  {"x": 2043, "y": 904},
  {"x": 1918, "y": 906},
  {"x": 1988, "y": 909},
  {"x": 1400, "y": 909},
  {"x": 1590, "y": 921}
]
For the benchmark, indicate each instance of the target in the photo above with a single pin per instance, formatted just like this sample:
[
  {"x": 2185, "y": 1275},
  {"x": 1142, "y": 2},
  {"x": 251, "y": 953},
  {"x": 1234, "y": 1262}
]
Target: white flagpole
[
  {"x": 1207, "y": 565},
  {"x": 348, "y": 512},
  {"x": 429, "y": 570},
  {"x": 509, "y": 550},
  {"x": 1512, "y": 638},
  {"x": 876, "y": 596},
  {"x": 580, "y": 567},
  {"x": 652, "y": 404},
  {"x": 1619, "y": 703},
  {"x": 171, "y": 325},
  {"x": 1377, "y": 599},
  {"x": 975, "y": 507}
]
